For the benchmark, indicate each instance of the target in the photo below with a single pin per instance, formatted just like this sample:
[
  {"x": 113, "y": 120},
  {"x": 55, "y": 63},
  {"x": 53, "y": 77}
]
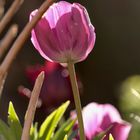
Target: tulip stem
[{"x": 77, "y": 101}]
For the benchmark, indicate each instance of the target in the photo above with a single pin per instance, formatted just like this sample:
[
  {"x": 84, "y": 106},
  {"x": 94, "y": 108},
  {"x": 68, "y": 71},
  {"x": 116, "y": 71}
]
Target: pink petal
[
  {"x": 110, "y": 115},
  {"x": 119, "y": 131},
  {"x": 34, "y": 39},
  {"x": 46, "y": 41},
  {"x": 92, "y": 117},
  {"x": 64, "y": 33},
  {"x": 56, "y": 11}
]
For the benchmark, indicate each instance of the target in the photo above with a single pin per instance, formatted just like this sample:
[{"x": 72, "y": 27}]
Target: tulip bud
[{"x": 64, "y": 33}]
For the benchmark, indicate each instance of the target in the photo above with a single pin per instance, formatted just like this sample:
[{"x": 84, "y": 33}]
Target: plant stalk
[
  {"x": 6, "y": 41},
  {"x": 32, "y": 107},
  {"x": 10, "y": 13},
  {"x": 77, "y": 101},
  {"x": 19, "y": 42}
]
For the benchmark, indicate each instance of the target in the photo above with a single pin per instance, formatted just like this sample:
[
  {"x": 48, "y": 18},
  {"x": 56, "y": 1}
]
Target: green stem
[{"x": 76, "y": 99}]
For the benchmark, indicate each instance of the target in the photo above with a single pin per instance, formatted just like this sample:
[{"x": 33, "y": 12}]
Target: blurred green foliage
[
  {"x": 130, "y": 104},
  {"x": 47, "y": 131}
]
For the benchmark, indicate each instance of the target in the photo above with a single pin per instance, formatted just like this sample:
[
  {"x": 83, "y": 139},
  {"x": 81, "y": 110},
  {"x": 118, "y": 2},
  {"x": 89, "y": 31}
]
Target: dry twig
[
  {"x": 6, "y": 41},
  {"x": 22, "y": 38},
  {"x": 2, "y": 2},
  {"x": 32, "y": 107},
  {"x": 10, "y": 13},
  {"x": 2, "y": 83},
  {"x": 27, "y": 92}
]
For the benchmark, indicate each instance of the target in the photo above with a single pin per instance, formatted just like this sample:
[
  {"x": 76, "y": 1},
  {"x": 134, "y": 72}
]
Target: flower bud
[{"x": 64, "y": 33}]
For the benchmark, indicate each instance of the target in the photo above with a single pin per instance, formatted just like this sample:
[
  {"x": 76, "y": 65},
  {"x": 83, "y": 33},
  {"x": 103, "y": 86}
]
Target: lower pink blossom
[{"x": 104, "y": 118}]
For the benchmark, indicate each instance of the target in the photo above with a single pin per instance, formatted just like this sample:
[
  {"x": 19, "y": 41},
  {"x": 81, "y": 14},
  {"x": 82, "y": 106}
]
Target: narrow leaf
[
  {"x": 64, "y": 130},
  {"x": 48, "y": 127},
  {"x": 34, "y": 132},
  {"x": 73, "y": 134},
  {"x": 14, "y": 123},
  {"x": 111, "y": 137},
  {"x": 66, "y": 137},
  {"x": 4, "y": 129},
  {"x": 45, "y": 126}
]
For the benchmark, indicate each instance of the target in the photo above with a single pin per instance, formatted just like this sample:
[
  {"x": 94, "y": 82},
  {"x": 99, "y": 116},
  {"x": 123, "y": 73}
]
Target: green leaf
[
  {"x": 45, "y": 126},
  {"x": 34, "y": 132},
  {"x": 14, "y": 123},
  {"x": 111, "y": 137},
  {"x": 66, "y": 137},
  {"x": 64, "y": 130},
  {"x": 102, "y": 135},
  {"x": 73, "y": 134},
  {"x": 48, "y": 127},
  {"x": 4, "y": 129}
]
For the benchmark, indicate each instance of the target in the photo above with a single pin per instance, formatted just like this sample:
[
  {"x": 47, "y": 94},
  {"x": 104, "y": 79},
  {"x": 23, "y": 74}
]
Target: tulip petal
[
  {"x": 79, "y": 34},
  {"x": 47, "y": 43},
  {"x": 64, "y": 33},
  {"x": 56, "y": 11},
  {"x": 110, "y": 115},
  {"x": 100, "y": 118},
  {"x": 119, "y": 131},
  {"x": 92, "y": 117}
]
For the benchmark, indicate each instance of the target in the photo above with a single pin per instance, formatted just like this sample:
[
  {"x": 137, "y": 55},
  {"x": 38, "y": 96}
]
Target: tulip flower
[
  {"x": 65, "y": 35},
  {"x": 56, "y": 87},
  {"x": 104, "y": 118}
]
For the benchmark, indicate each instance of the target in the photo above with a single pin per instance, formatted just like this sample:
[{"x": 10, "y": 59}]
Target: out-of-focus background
[{"x": 114, "y": 58}]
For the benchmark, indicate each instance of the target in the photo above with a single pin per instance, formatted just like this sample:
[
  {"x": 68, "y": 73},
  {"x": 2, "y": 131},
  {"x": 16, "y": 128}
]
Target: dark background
[{"x": 114, "y": 58}]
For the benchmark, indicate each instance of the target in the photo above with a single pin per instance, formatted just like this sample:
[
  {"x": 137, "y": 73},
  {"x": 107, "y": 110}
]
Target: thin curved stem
[
  {"x": 23, "y": 36},
  {"x": 2, "y": 83},
  {"x": 27, "y": 92},
  {"x": 2, "y": 3},
  {"x": 6, "y": 41},
  {"x": 32, "y": 107},
  {"x": 16, "y": 47},
  {"x": 76, "y": 99},
  {"x": 10, "y": 13}
]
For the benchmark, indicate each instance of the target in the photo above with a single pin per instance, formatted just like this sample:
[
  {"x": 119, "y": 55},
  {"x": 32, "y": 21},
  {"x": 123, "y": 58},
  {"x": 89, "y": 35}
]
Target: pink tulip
[
  {"x": 100, "y": 118},
  {"x": 56, "y": 87},
  {"x": 64, "y": 33}
]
